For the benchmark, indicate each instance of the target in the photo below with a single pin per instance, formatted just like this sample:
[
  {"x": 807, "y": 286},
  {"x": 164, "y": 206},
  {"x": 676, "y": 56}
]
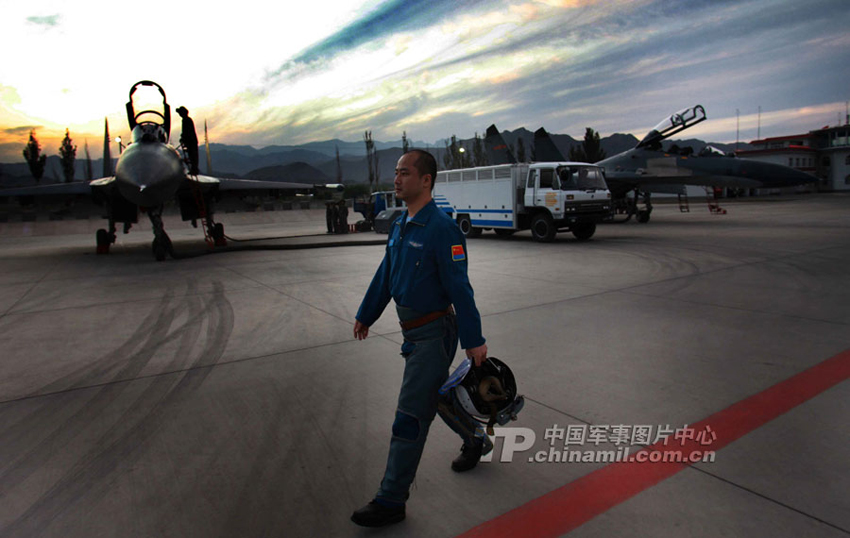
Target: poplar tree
[
  {"x": 89, "y": 170},
  {"x": 35, "y": 159},
  {"x": 367, "y": 138},
  {"x": 67, "y": 156},
  {"x": 479, "y": 156},
  {"x": 107, "y": 155}
]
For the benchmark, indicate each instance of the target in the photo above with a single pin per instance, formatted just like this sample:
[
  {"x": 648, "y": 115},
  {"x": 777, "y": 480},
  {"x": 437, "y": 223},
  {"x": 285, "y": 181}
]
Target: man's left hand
[{"x": 477, "y": 354}]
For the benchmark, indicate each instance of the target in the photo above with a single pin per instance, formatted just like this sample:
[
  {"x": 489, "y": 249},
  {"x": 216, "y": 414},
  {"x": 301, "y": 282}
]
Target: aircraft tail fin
[
  {"x": 545, "y": 148},
  {"x": 497, "y": 149}
]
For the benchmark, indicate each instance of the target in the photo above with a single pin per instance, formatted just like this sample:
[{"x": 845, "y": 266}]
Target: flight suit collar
[{"x": 421, "y": 218}]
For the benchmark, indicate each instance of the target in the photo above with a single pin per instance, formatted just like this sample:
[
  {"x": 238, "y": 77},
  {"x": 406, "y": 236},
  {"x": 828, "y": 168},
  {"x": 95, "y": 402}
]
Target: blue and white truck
[{"x": 545, "y": 197}]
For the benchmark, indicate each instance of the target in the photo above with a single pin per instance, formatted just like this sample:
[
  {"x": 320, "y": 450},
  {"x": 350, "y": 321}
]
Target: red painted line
[{"x": 576, "y": 503}]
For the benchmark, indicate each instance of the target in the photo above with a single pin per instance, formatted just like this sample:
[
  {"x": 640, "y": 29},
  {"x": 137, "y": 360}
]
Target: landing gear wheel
[
  {"x": 584, "y": 231},
  {"x": 504, "y": 232},
  {"x": 103, "y": 241},
  {"x": 643, "y": 216},
  {"x": 466, "y": 227},
  {"x": 218, "y": 235},
  {"x": 543, "y": 228},
  {"x": 161, "y": 247}
]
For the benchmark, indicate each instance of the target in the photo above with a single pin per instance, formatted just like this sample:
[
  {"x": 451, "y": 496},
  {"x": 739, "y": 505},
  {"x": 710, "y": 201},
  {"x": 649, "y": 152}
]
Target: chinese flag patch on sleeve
[{"x": 457, "y": 253}]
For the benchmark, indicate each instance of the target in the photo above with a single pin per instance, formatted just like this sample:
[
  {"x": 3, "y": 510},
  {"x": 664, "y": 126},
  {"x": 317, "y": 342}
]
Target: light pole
[{"x": 120, "y": 145}]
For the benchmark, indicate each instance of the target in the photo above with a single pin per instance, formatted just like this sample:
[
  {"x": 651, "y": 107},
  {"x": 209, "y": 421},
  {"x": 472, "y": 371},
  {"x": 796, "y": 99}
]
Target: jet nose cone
[
  {"x": 785, "y": 176},
  {"x": 149, "y": 173}
]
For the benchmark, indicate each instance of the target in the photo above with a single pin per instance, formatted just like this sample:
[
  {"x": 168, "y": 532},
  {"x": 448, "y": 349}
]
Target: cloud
[
  {"x": 24, "y": 129},
  {"x": 49, "y": 20}
]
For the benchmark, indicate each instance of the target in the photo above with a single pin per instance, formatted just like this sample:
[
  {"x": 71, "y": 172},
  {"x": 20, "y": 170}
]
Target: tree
[
  {"x": 590, "y": 150},
  {"x": 89, "y": 170},
  {"x": 479, "y": 156},
  {"x": 375, "y": 164},
  {"x": 372, "y": 160},
  {"x": 456, "y": 156},
  {"x": 520, "y": 150},
  {"x": 35, "y": 159},
  {"x": 338, "y": 166},
  {"x": 67, "y": 156},
  {"x": 447, "y": 155},
  {"x": 107, "y": 156},
  {"x": 367, "y": 138}
]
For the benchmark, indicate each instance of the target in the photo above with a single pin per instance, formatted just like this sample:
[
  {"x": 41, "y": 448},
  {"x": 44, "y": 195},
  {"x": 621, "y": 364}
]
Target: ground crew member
[
  {"x": 189, "y": 140},
  {"x": 425, "y": 271},
  {"x": 330, "y": 216},
  {"x": 343, "y": 217}
]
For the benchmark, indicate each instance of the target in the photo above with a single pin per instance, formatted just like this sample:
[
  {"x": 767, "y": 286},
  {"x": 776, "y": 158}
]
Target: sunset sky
[{"x": 264, "y": 73}]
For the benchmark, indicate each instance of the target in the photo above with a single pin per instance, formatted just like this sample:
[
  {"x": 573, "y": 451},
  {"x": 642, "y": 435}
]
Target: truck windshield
[{"x": 581, "y": 178}]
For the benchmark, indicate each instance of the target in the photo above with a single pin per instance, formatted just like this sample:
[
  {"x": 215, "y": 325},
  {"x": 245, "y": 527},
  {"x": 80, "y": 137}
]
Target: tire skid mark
[
  {"x": 130, "y": 435},
  {"x": 91, "y": 409}
]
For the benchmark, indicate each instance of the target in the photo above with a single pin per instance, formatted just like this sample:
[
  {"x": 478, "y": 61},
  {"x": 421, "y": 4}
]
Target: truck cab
[{"x": 574, "y": 195}]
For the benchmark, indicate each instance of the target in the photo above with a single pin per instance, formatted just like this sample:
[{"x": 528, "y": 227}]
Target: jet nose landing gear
[
  {"x": 162, "y": 247},
  {"x": 161, "y": 242},
  {"x": 105, "y": 238}
]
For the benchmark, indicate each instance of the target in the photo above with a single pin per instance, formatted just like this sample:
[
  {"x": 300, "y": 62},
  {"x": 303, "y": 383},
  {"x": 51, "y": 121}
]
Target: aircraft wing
[
  {"x": 55, "y": 189},
  {"x": 638, "y": 168},
  {"x": 228, "y": 184}
]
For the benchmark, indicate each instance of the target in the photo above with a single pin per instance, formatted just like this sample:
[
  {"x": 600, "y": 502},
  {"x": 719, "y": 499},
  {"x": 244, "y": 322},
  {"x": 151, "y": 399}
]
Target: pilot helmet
[{"x": 488, "y": 393}]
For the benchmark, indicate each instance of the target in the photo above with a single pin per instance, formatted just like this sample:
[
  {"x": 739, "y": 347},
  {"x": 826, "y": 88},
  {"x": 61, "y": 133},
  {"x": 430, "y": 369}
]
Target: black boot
[
  {"x": 376, "y": 514},
  {"x": 469, "y": 456}
]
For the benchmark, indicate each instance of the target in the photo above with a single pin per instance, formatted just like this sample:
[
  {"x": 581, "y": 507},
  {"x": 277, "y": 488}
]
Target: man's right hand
[{"x": 360, "y": 331}]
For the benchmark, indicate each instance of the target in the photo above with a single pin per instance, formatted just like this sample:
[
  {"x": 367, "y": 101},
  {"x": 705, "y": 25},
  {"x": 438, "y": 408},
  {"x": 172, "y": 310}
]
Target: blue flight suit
[{"x": 424, "y": 270}]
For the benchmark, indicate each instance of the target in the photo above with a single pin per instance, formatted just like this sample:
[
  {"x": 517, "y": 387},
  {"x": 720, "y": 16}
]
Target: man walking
[{"x": 425, "y": 271}]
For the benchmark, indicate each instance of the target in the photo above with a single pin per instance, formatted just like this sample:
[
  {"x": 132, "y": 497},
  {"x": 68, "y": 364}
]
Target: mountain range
[{"x": 316, "y": 162}]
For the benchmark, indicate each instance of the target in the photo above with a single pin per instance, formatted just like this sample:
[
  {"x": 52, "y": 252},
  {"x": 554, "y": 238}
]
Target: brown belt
[{"x": 424, "y": 320}]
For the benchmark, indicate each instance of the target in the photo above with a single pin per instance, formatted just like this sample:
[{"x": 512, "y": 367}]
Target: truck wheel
[
  {"x": 542, "y": 228},
  {"x": 584, "y": 231},
  {"x": 504, "y": 232},
  {"x": 466, "y": 227}
]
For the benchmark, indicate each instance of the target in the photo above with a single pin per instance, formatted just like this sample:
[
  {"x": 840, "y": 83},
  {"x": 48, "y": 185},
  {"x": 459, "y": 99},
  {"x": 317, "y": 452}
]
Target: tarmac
[{"x": 224, "y": 395}]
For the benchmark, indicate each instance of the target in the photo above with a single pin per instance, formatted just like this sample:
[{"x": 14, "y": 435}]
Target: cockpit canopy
[
  {"x": 711, "y": 151},
  {"x": 669, "y": 126},
  {"x": 164, "y": 122}
]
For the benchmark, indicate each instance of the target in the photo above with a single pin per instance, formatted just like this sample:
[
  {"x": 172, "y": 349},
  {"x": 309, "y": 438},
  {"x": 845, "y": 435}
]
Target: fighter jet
[
  {"x": 647, "y": 168},
  {"x": 149, "y": 173}
]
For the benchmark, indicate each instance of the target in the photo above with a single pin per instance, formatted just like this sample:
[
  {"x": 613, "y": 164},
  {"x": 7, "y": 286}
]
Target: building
[
  {"x": 833, "y": 150},
  {"x": 824, "y": 153}
]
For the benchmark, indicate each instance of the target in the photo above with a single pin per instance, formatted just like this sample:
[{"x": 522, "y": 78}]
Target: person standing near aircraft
[
  {"x": 343, "y": 217},
  {"x": 189, "y": 140},
  {"x": 425, "y": 271},
  {"x": 329, "y": 216}
]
